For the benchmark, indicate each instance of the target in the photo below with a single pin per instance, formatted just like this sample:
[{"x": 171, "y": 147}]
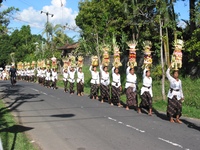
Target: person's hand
[
  {"x": 120, "y": 88},
  {"x": 182, "y": 100}
]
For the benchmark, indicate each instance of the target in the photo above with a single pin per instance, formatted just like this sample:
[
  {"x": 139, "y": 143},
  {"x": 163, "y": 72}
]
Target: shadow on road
[
  {"x": 15, "y": 99},
  {"x": 186, "y": 122},
  {"x": 15, "y": 129},
  {"x": 63, "y": 115}
]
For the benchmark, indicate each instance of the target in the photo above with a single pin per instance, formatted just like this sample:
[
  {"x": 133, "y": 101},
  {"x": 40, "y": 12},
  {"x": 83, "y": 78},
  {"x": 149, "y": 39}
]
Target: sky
[{"x": 64, "y": 11}]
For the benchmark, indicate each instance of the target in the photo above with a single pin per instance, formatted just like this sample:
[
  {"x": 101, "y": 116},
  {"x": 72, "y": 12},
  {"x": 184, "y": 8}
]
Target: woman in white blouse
[
  {"x": 146, "y": 92},
  {"x": 94, "y": 82},
  {"x": 175, "y": 97},
  {"x": 116, "y": 87},
  {"x": 131, "y": 95},
  {"x": 80, "y": 82},
  {"x": 65, "y": 79},
  {"x": 54, "y": 78},
  {"x": 71, "y": 79},
  {"x": 43, "y": 75},
  {"x": 48, "y": 78},
  {"x": 105, "y": 84}
]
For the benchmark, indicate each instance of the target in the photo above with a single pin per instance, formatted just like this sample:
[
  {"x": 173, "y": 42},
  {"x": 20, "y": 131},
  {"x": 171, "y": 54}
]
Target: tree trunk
[{"x": 162, "y": 60}]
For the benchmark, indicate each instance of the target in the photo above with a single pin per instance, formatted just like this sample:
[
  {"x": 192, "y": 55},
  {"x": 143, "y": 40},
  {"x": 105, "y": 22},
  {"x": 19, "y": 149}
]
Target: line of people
[{"x": 110, "y": 90}]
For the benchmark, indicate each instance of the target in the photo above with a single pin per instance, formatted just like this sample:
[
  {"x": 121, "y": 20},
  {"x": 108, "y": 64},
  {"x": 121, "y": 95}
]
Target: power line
[{"x": 27, "y": 3}]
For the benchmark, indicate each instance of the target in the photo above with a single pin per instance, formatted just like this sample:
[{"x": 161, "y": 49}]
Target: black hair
[
  {"x": 131, "y": 69},
  {"x": 79, "y": 68},
  {"x": 116, "y": 69},
  {"x": 147, "y": 71},
  {"x": 175, "y": 71},
  {"x": 105, "y": 67}
]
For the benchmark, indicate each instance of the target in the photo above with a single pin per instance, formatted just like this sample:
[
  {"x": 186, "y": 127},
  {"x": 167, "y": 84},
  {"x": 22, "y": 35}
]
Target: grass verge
[{"x": 12, "y": 134}]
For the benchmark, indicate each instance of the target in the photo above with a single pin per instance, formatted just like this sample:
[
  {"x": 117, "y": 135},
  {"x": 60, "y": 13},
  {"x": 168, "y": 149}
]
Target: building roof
[{"x": 69, "y": 46}]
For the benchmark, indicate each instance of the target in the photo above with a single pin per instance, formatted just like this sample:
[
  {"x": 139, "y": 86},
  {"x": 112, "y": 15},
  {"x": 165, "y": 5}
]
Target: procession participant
[
  {"x": 26, "y": 74},
  {"x": 65, "y": 79},
  {"x": 80, "y": 82},
  {"x": 18, "y": 74},
  {"x": 146, "y": 92},
  {"x": 116, "y": 87},
  {"x": 54, "y": 78},
  {"x": 131, "y": 95},
  {"x": 43, "y": 75},
  {"x": 4, "y": 75},
  {"x": 29, "y": 74},
  {"x": 39, "y": 75},
  {"x": 48, "y": 78},
  {"x": 105, "y": 84},
  {"x": 65, "y": 73},
  {"x": 94, "y": 82},
  {"x": 175, "y": 96},
  {"x": 95, "y": 78},
  {"x": 71, "y": 78},
  {"x": 23, "y": 74}
]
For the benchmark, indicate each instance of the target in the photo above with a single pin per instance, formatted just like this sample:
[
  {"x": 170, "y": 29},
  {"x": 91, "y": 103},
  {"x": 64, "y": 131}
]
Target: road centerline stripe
[{"x": 172, "y": 143}]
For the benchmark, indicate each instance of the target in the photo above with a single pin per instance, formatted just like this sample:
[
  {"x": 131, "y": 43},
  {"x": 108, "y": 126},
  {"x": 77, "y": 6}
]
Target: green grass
[
  {"x": 191, "y": 104},
  {"x": 12, "y": 134}
]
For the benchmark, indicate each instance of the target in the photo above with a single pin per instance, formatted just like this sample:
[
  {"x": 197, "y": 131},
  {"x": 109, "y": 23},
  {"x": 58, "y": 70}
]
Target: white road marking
[
  {"x": 142, "y": 131},
  {"x": 43, "y": 93},
  {"x": 172, "y": 143},
  {"x": 34, "y": 89},
  {"x": 129, "y": 126},
  {"x": 112, "y": 119}
]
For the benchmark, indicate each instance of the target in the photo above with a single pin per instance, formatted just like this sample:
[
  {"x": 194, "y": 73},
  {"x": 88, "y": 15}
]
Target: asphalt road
[{"x": 60, "y": 121}]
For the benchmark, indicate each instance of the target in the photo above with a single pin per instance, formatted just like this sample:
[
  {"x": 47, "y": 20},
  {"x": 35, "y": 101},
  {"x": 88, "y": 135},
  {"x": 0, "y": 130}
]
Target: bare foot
[
  {"x": 97, "y": 97},
  {"x": 139, "y": 111},
  {"x": 119, "y": 105},
  {"x": 172, "y": 120},
  {"x": 178, "y": 121},
  {"x": 111, "y": 104},
  {"x": 127, "y": 108},
  {"x": 102, "y": 101}
]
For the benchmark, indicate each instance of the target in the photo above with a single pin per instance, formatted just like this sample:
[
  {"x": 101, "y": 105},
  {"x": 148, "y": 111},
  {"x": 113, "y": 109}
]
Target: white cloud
[{"x": 61, "y": 15}]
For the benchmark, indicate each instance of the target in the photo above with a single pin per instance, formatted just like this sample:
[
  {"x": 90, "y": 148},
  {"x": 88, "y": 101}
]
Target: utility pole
[
  {"x": 47, "y": 14},
  {"x": 47, "y": 25}
]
